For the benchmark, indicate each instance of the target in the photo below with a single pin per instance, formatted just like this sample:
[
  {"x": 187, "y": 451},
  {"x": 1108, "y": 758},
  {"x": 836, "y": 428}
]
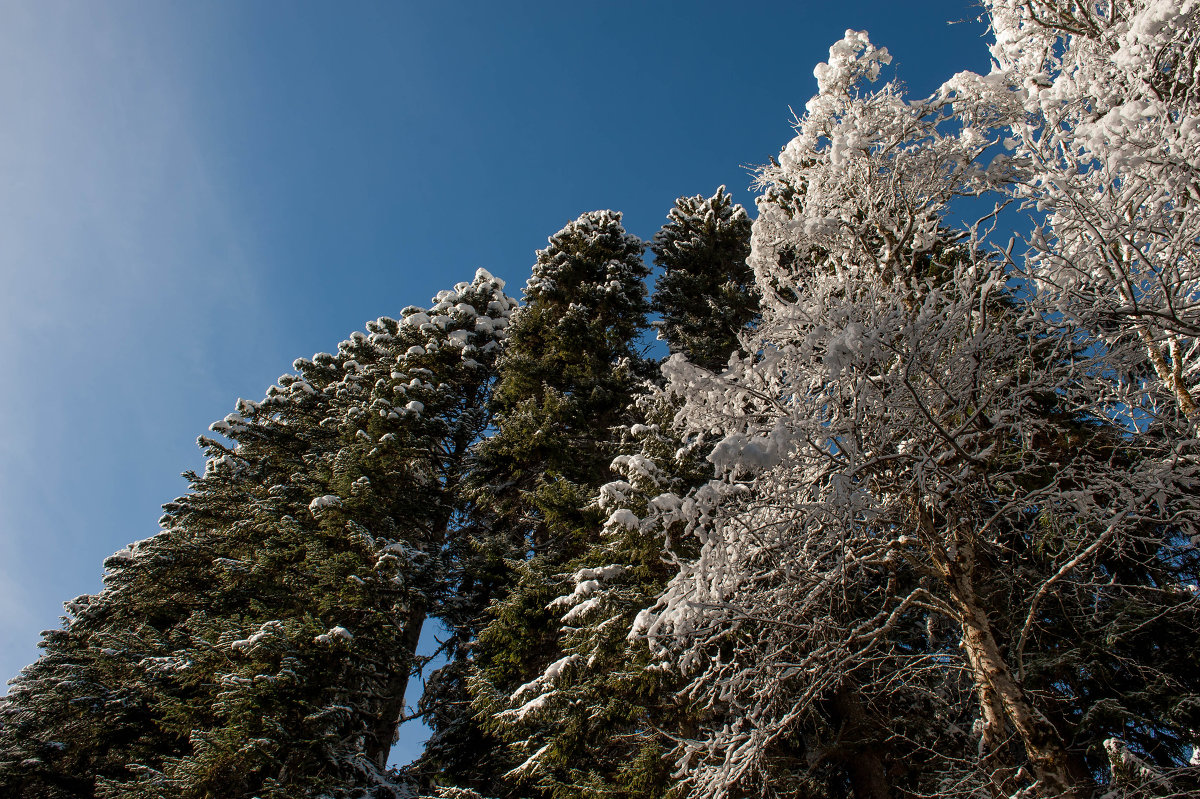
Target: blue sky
[{"x": 195, "y": 194}]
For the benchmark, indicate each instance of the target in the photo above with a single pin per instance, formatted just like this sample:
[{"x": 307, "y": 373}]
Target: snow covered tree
[
  {"x": 263, "y": 641},
  {"x": 597, "y": 717},
  {"x": 567, "y": 375},
  {"x": 566, "y": 379},
  {"x": 1102, "y": 102},
  {"x": 706, "y": 294},
  {"x": 944, "y": 542},
  {"x": 598, "y": 720},
  {"x": 924, "y": 485},
  {"x": 601, "y": 719}
]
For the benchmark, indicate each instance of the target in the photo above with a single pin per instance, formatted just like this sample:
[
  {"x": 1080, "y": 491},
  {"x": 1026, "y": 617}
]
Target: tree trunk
[
  {"x": 868, "y": 777},
  {"x": 1002, "y": 699},
  {"x": 383, "y": 734},
  {"x": 1171, "y": 373},
  {"x": 391, "y": 713}
]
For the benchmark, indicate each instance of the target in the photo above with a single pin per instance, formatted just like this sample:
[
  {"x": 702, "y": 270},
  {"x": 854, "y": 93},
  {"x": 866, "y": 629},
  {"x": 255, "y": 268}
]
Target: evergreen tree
[
  {"x": 597, "y": 720},
  {"x": 949, "y": 548},
  {"x": 79, "y": 711},
  {"x": 567, "y": 376},
  {"x": 706, "y": 294},
  {"x": 605, "y": 714},
  {"x": 261, "y": 644}
]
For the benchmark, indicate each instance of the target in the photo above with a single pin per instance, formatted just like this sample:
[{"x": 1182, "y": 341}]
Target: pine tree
[
  {"x": 605, "y": 714},
  {"x": 706, "y": 294},
  {"x": 79, "y": 711},
  {"x": 568, "y": 373},
  {"x": 597, "y": 720},
  {"x": 261, "y": 644}
]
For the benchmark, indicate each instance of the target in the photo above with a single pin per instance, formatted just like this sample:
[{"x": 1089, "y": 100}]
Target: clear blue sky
[{"x": 195, "y": 194}]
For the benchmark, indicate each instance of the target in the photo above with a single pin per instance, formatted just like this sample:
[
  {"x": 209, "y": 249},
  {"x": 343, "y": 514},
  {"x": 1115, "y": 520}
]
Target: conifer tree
[
  {"x": 604, "y": 714},
  {"x": 596, "y": 721},
  {"x": 706, "y": 294},
  {"x": 261, "y": 644},
  {"x": 567, "y": 376}
]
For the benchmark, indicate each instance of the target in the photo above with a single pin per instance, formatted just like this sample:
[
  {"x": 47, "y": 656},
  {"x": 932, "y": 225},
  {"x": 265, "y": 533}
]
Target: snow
[
  {"x": 603, "y": 573},
  {"x": 546, "y": 679},
  {"x": 582, "y": 590},
  {"x": 622, "y": 518},
  {"x": 323, "y": 503},
  {"x": 338, "y": 633},
  {"x": 738, "y": 452},
  {"x": 636, "y": 465},
  {"x": 484, "y": 277},
  {"x": 577, "y": 613},
  {"x": 665, "y": 503},
  {"x": 613, "y": 494},
  {"x": 265, "y": 631},
  {"x": 841, "y": 349},
  {"x": 587, "y": 582},
  {"x": 530, "y": 764}
]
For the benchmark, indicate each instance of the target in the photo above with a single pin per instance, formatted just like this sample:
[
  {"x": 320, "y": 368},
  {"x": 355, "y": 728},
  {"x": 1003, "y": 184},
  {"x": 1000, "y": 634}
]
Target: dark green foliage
[
  {"x": 261, "y": 644},
  {"x": 706, "y": 294},
  {"x": 570, "y": 363},
  {"x": 1111, "y": 653},
  {"x": 598, "y": 723},
  {"x": 77, "y": 711},
  {"x": 601, "y": 725},
  {"x": 569, "y": 370}
]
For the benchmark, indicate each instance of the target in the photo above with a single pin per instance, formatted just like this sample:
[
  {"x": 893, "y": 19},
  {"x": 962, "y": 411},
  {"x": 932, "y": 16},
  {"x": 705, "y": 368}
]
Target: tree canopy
[{"x": 911, "y": 509}]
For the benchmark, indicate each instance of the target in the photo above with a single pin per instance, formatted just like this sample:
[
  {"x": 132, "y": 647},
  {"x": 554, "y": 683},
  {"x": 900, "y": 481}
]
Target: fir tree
[
  {"x": 261, "y": 644},
  {"x": 601, "y": 720},
  {"x": 566, "y": 379},
  {"x": 706, "y": 294},
  {"x": 597, "y": 720},
  {"x": 567, "y": 374}
]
